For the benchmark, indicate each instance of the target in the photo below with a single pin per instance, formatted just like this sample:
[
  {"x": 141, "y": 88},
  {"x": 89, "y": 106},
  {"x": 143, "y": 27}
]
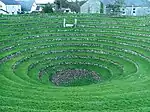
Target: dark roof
[
  {"x": 9, "y": 2},
  {"x": 82, "y": 2},
  {"x": 4, "y": 10}
]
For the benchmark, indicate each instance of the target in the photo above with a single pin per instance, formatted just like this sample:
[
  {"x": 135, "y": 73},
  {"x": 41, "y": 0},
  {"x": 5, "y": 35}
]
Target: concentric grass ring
[{"x": 116, "y": 48}]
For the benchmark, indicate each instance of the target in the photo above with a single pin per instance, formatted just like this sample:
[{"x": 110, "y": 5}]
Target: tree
[
  {"x": 114, "y": 9},
  {"x": 61, "y": 4},
  {"x": 102, "y": 8},
  {"x": 73, "y": 5},
  {"x": 48, "y": 8}
]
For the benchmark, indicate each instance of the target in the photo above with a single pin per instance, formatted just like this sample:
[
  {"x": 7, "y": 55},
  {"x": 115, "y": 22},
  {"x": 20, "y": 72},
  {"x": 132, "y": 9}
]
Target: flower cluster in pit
[{"x": 68, "y": 77}]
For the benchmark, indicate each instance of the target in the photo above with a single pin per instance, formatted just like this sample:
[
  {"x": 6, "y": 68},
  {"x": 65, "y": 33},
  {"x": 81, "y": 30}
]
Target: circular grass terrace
[{"x": 103, "y": 65}]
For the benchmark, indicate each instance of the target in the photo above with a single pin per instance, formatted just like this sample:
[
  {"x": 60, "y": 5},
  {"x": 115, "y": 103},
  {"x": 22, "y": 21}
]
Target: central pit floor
[{"x": 74, "y": 77}]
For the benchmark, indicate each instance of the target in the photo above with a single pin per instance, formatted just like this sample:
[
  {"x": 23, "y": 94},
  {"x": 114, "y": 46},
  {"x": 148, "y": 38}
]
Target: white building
[
  {"x": 9, "y": 7},
  {"x": 91, "y": 6},
  {"x": 66, "y": 10},
  {"x": 135, "y": 8},
  {"x": 36, "y": 7},
  {"x": 130, "y": 7},
  {"x": 3, "y": 11}
]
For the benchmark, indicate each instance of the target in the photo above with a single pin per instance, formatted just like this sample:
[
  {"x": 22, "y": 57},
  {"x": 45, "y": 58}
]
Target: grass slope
[{"x": 116, "y": 48}]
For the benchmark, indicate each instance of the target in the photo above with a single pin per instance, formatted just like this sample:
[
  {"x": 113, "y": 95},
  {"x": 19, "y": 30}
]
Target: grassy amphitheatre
[{"x": 102, "y": 65}]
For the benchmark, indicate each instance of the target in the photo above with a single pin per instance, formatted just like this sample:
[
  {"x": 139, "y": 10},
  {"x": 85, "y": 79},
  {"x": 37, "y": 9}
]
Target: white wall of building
[
  {"x": 135, "y": 11},
  {"x": 33, "y": 8},
  {"x": 2, "y": 6},
  {"x": 91, "y": 6},
  {"x": 94, "y": 6},
  {"x": 67, "y": 10},
  {"x": 13, "y": 9},
  {"x": 3, "y": 12}
]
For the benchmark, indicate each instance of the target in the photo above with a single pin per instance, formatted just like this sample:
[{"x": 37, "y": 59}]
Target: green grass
[{"x": 116, "y": 48}]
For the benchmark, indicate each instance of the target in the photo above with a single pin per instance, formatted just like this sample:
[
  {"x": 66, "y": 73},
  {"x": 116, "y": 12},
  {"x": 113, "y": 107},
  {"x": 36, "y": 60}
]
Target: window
[
  {"x": 133, "y": 10},
  {"x": 38, "y": 8},
  {"x": 67, "y": 10}
]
